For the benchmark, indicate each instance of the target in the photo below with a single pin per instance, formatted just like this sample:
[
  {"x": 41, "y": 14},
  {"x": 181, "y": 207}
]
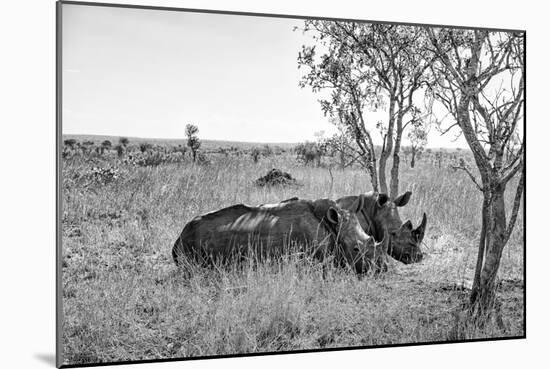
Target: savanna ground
[{"x": 124, "y": 299}]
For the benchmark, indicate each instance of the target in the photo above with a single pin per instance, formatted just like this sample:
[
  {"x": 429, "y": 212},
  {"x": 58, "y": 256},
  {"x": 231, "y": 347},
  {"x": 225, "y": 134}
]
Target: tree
[
  {"x": 267, "y": 150},
  {"x": 193, "y": 141},
  {"x": 369, "y": 66},
  {"x": 418, "y": 138},
  {"x": 479, "y": 80},
  {"x": 123, "y": 141},
  {"x": 342, "y": 146},
  {"x": 255, "y": 153},
  {"x": 309, "y": 152},
  {"x": 70, "y": 142},
  {"x": 105, "y": 145},
  {"x": 145, "y": 146},
  {"x": 120, "y": 150},
  {"x": 339, "y": 70},
  {"x": 438, "y": 158}
]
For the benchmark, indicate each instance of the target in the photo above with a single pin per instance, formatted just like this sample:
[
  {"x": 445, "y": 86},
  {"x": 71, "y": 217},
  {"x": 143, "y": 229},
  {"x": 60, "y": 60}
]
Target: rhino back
[{"x": 269, "y": 228}]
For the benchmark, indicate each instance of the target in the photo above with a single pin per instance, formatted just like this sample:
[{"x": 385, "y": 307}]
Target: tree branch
[
  {"x": 464, "y": 168},
  {"x": 515, "y": 208},
  {"x": 511, "y": 173}
]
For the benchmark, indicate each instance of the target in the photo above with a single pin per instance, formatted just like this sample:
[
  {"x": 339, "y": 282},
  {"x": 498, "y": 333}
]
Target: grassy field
[{"x": 124, "y": 299}]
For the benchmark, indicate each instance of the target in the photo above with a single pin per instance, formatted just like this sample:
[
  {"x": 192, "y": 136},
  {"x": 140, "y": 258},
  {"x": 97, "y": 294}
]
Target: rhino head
[{"x": 379, "y": 215}]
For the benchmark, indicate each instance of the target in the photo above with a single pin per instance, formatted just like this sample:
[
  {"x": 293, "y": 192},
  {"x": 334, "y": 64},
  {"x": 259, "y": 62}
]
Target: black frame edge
[
  {"x": 58, "y": 197},
  {"x": 272, "y": 15},
  {"x": 310, "y": 351},
  {"x": 525, "y": 183}
]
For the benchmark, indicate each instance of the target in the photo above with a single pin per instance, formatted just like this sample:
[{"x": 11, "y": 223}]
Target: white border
[{"x": 28, "y": 181}]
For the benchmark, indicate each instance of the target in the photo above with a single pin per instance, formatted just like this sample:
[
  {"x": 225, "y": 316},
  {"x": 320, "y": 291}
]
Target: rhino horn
[{"x": 383, "y": 244}]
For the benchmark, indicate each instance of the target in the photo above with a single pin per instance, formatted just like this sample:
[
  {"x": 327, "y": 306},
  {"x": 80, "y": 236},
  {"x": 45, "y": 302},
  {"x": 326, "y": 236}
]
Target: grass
[{"x": 124, "y": 299}]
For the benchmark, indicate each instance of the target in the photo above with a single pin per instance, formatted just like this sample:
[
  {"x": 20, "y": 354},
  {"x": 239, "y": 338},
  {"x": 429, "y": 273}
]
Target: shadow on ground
[{"x": 46, "y": 358}]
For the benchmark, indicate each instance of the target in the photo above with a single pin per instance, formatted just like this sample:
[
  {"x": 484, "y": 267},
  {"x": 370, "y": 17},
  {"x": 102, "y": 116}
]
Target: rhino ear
[
  {"x": 408, "y": 225},
  {"x": 358, "y": 204},
  {"x": 419, "y": 232},
  {"x": 332, "y": 215},
  {"x": 403, "y": 199},
  {"x": 382, "y": 199}
]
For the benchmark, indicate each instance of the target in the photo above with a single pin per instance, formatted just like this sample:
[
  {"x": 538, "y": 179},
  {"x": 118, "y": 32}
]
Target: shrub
[
  {"x": 119, "y": 150},
  {"x": 124, "y": 141},
  {"x": 255, "y": 153},
  {"x": 144, "y": 146},
  {"x": 103, "y": 176},
  {"x": 267, "y": 150},
  {"x": 202, "y": 159},
  {"x": 71, "y": 142},
  {"x": 309, "y": 152}
]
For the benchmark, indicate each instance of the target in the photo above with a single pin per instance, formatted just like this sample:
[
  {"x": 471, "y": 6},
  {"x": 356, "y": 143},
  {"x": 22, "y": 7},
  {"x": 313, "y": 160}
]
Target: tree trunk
[
  {"x": 364, "y": 142},
  {"x": 372, "y": 166},
  {"x": 382, "y": 172},
  {"x": 387, "y": 148},
  {"x": 371, "y": 169},
  {"x": 369, "y": 159},
  {"x": 481, "y": 247},
  {"x": 394, "y": 184},
  {"x": 482, "y": 298},
  {"x": 413, "y": 154}
]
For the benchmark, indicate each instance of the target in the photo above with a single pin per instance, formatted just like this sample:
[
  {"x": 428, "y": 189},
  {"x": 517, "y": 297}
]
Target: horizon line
[{"x": 229, "y": 140}]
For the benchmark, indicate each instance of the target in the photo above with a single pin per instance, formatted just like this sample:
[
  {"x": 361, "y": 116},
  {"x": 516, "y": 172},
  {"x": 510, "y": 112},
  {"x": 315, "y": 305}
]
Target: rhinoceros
[
  {"x": 320, "y": 227},
  {"x": 378, "y": 215}
]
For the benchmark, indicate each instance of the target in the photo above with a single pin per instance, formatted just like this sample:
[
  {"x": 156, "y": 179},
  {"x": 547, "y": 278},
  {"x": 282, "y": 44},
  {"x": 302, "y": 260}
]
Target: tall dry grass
[{"x": 124, "y": 299}]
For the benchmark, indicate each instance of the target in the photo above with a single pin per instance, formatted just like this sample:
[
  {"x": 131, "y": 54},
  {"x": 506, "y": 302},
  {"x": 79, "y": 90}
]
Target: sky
[{"x": 148, "y": 73}]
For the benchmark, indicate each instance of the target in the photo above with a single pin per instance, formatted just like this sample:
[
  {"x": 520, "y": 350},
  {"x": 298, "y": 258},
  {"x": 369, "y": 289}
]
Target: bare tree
[{"x": 480, "y": 81}]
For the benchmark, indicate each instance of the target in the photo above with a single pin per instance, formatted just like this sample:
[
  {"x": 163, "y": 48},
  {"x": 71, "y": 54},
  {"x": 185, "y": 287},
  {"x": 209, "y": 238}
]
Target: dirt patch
[{"x": 276, "y": 177}]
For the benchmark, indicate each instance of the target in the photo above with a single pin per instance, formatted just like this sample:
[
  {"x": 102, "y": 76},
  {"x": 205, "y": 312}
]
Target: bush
[
  {"x": 181, "y": 149},
  {"x": 103, "y": 176},
  {"x": 154, "y": 158},
  {"x": 123, "y": 141},
  {"x": 120, "y": 150},
  {"x": 146, "y": 159},
  {"x": 267, "y": 150},
  {"x": 144, "y": 146},
  {"x": 309, "y": 152},
  {"x": 255, "y": 153},
  {"x": 71, "y": 142},
  {"x": 202, "y": 159}
]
